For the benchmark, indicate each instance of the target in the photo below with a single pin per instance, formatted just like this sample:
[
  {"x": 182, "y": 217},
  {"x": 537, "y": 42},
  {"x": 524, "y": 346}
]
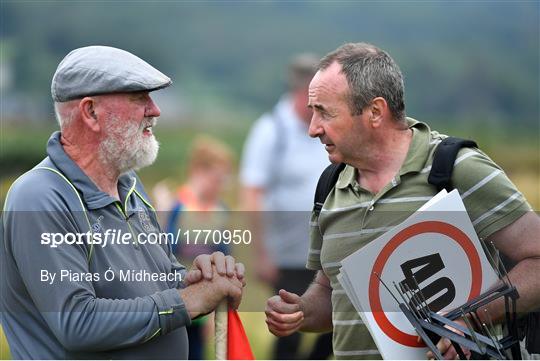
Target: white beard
[{"x": 126, "y": 148}]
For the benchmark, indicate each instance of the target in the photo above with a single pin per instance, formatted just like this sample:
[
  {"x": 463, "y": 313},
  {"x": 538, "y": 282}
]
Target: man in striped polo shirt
[{"x": 359, "y": 115}]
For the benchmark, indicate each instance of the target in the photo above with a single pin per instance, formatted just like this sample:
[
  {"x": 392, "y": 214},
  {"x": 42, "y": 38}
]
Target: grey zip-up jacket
[{"x": 102, "y": 301}]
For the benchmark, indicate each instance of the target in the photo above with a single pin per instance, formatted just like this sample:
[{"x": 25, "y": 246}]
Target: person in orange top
[{"x": 198, "y": 205}]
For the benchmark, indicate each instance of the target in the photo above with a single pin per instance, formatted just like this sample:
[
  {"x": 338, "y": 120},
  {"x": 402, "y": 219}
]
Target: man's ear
[
  {"x": 378, "y": 110},
  {"x": 87, "y": 107}
]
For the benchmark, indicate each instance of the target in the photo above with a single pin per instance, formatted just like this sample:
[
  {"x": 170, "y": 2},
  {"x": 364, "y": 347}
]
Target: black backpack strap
[
  {"x": 327, "y": 181},
  {"x": 443, "y": 161}
]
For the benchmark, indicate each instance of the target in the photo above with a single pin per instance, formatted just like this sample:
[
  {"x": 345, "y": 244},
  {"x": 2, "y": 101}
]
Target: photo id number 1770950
[{"x": 215, "y": 236}]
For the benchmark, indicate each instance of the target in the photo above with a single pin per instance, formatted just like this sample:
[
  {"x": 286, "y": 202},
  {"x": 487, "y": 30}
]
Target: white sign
[{"x": 439, "y": 247}]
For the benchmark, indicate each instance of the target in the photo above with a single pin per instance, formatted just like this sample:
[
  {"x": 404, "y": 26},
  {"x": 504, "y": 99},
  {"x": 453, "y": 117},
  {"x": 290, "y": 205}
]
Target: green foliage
[
  {"x": 21, "y": 149},
  {"x": 459, "y": 59}
]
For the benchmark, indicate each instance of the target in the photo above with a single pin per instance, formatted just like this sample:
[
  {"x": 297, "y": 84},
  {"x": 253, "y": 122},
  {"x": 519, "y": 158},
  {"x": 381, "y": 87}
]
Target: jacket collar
[{"x": 93, "y": 197}]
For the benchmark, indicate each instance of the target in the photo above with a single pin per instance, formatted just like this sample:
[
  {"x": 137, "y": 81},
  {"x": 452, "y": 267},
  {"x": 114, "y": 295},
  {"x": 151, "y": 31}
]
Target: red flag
[{"x": 238, "y": 347}]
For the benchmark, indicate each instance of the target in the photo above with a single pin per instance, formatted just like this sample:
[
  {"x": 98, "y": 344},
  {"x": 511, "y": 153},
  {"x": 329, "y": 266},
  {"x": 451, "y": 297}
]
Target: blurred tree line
[
  {"x": 471, "y": 68},
  {"x": 462, "y": 61}
]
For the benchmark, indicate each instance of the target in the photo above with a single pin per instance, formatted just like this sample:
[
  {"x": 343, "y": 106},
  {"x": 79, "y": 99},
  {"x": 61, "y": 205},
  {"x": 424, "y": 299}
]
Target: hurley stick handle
[{"x": 221, "y": 330}]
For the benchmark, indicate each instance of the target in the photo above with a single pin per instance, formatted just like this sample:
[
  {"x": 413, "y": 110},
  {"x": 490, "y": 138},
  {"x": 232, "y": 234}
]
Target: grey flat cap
[{"x": 94, "y": 70}]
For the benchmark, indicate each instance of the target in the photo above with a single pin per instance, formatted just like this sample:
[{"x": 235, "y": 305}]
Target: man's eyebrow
[
  {"x": 133, "y": 96},
  {"x": 136, "y": 95},
  {"x": 316, "y": 106}
]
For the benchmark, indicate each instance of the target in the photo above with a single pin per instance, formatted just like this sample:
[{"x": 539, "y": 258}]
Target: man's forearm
[
  {"x": 524, "y": 276},
  {"x": 519, "y": 243},
  {"x": 317, "y": 307},
  {"x": 90, "y": 324}
]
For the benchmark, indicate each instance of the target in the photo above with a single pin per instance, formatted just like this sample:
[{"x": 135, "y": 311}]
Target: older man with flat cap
[{"x": 77, "y": 282}]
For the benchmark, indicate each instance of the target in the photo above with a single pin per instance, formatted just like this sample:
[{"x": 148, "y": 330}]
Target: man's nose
[
  {"x": 315, "y": 130},
  {"x": 152, "y": 110}
]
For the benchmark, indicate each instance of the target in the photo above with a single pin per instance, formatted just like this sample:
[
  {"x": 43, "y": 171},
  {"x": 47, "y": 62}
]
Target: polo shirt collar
[
  {"x": 415, "y": 160},
  {"x": 418, "y": 152},
  {"x": 347, "y": 177},
  {"x": 93, "y": 197}
]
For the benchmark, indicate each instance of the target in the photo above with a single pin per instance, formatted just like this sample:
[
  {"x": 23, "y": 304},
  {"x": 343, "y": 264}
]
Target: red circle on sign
[{"x": 374, "y": 285}]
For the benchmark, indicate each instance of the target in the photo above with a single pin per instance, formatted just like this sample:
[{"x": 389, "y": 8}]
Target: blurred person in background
[
  {"x": 198, "y": 205},
  {"x": 279, "y": 171}
]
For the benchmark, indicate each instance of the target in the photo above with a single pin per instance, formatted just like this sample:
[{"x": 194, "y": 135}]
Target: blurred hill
[{"x": 476, "y": 61}]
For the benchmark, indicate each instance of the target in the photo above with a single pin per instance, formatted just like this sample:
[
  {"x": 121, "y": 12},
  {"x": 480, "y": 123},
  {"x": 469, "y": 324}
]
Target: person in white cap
[{"x": 80, "y": 277}]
